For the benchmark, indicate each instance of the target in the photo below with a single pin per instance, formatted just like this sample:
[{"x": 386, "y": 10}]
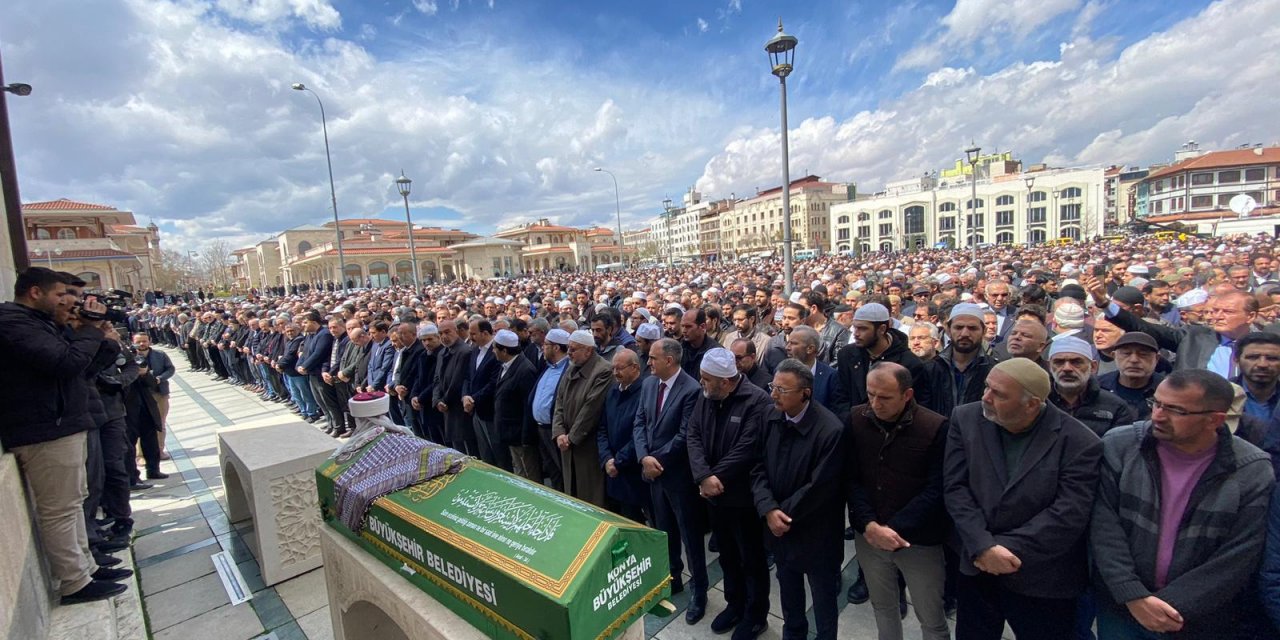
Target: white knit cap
[
  {"x": 1072, "y": 344},
  {"x": 649, "y": 331},
  {"x": 583, "y": 338},
  {"x": 428, "y": 329},
  {"x": 719, "y": 362},
  {"x": 872, "y": 312},
  {"x": 558, "y": 336},
  {"x": 506, "y": 338}
]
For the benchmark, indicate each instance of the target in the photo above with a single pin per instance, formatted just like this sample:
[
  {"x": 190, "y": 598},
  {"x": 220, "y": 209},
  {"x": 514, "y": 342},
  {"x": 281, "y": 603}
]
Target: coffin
[{"x": 513, "y": 558}]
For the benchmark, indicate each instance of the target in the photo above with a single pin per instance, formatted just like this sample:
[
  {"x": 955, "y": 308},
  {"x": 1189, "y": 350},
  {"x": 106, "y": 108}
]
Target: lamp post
[
  {"x": 1031, "y": 182},
  {"x": 617, "y": 204},
  {"x": 333, "y": 192},
  {"x": 402, "y": 185},
  {"x": 972, "y": 152},
  {"x": 48, "y": 254},
  {"x": 781, "y": 49},
  {"x": 666, "y": 209}
]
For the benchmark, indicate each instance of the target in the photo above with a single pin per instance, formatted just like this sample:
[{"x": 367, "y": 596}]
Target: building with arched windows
[
  {"x": 1012, "y": 207},
  {"x": 102, "y": 245}
]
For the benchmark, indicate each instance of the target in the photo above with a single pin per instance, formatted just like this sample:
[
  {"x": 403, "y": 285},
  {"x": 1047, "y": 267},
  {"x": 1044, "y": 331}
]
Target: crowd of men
[
  {"x": 80, "y": 395},
  {"x": 1056, "y": 438}
]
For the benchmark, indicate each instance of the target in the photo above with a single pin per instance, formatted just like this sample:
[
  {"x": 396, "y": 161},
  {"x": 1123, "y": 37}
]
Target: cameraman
[
  {"x": 157, "y": 364},
  {"x": 113, "y": 449},
  {"x": 44, "y": 417}
]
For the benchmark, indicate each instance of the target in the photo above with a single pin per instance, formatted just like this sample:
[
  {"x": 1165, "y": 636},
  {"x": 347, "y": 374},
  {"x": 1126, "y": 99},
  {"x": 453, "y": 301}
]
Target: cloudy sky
[{"x": 182, "y": 112}]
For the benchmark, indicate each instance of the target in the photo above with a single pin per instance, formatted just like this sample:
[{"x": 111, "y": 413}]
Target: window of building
[
  {"x": 42, "y": 234},
  {"x": 864, "y": 216},
  {"x": 842, "y": 234},
  {"x": 946, "y": 224},
  {"x": 1035, "y": 236},
  {"x": 1159, "y": 206},
  {"x": 303, "y": 247},
  {"x": 1004, "y": 201},
  {"x": 1037, "y": 196},
  {"x": 1201, "y": 202},
  {"x": 974, "y": 220},
  {"x": 1228, "y": 177},
  {"x": 1036, "y": 215},
  {"x": 946, "y": 206},
  {"x": 1070, "y": 212},
  {"x": 1004, "y": 237},
  {"x": 886, "y": 229},
  {"x": 864, "y": 232},
  {"x": 885, "y": 214},
  {"x": 842, "y": 220},
  {"x": 1224, "y": 199},
  {"x": 1004, "y": 219},
  {"x": 1257, "y": 197},
  {"x": 969, "y": 203},
  {"x": 1255, "y": 175},
  {"x": 66, "y": 234},
  {"x": 1071, "y": 192},
  {"x": 1071, "y": 232},
  {"x": 1198, "y": 179}
]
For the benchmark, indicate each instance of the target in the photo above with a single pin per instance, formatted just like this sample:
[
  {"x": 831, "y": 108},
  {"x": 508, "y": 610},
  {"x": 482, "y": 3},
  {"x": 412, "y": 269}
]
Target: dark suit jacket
[
  {"x": 1193, "y": 343},
  {"x": 663, "y": 435},
  {"x": 1039, "y": 512},
  {"x": 315, "y": 351},
  {"x": 408, "y": 372},
  {"x": 452, "y": 367},
  {"x": 162, "y": 368},
  {"x": 824, "y": 382},
  {"x": 481, "y": 381},
  {"x": 510, "y": 401}
]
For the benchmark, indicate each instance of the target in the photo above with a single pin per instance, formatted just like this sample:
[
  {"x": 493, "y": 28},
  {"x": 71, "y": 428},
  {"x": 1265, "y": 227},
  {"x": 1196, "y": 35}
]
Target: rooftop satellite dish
[{"x": 1243, "y": 205}]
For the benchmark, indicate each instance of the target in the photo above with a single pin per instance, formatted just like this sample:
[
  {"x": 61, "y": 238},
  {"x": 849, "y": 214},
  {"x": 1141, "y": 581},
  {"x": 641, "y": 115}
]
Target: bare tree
[{"x": 216, "y": 262}]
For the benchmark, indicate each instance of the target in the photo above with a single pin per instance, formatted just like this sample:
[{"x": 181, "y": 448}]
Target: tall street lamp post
[
  {"x": 666, "y": 209},
  {"x": 973, "y": 151},
  {"x": 1031, "y": 182},
  {"x": 403, "y": 184},
  {"x": 333, "y": 192},
  {"x": 781, "y": 49},
  {"x": 617, "y": 203}
]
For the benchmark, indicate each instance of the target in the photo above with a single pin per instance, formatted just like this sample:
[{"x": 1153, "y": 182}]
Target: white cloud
[
  {"x": 703, "y": 26},
  {"x": 426, "y": 7},
  {"x": 315, "y": 13},
  {"x": 988, "y": 22},
  {"x": 1091, "y": 106}
]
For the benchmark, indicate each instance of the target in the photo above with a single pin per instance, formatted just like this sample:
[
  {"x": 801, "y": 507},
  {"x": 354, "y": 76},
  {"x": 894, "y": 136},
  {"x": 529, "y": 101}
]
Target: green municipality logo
[
  {"x": 622, "y": 580},
  {"x": 452, "y": 572}
]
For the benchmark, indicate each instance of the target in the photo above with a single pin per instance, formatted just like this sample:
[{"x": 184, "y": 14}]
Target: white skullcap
[
  {"x": 648, "y": 317},
  {"x": 640, "y": 295},
  {"x": 676, "y": 305},
  {"x": 872, "y": 312},
  {"x": 583, "y": 338},
  {"x": 506, "y": 338},
  {"x": 1138, "y": 269},
  {"x": 564, "y": 303},
  {"x": 601, "y": 306},
  {"x": 558, "y": 336},
  {"x": 649, "y": 331},
  {"x": 966, "y": 309},
  {"x": 1072, "y": 344},
  {"x": 1192, "y": 298},
  {"x": 795, "y": 297},
  {"x": 943, "y": 278},
  {"x": 428, "y": 329},
  {"x": 719, "y": 362}
]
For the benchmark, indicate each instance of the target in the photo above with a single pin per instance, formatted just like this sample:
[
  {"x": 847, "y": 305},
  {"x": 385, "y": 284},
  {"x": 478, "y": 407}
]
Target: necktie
[{"x": 662, "y": 395}]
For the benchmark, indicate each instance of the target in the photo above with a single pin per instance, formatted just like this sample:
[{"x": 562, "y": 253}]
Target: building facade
[
  {"x": 754, "y": 226},
  {"x": 551, "y": 247},
  {"x": 102, "y": 245},
  {"x": 1012, "y": 207},
  {"x": 1200, "y": 186}
]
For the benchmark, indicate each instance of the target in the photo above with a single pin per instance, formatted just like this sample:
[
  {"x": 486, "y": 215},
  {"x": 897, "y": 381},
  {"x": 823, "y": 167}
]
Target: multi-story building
[
  {"x": 102, "y": 245},
  {"x": 754, "y": 225},
  {"x": 1119, "y": 183},
  {"x": 1012, "y": 206},
  {"x": 709, "y": 221},
  {"x": 551, "y": 247},
  {"x": 1200, "y": 186}
]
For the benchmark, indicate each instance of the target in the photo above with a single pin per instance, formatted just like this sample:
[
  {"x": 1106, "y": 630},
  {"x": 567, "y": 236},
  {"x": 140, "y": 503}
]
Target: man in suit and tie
[
  {"x": 511, "y": 396},
  {"x": 334, "y": 410},
  {"x": 1019, "y": 479},
  {"x": 477, "y": 395},
  {"x": 452, "y": 366},
  {"x": 405, "y": 371},
  {"x": 381, "y": 355},
  {"x": 662, "y": 422},
  {"x": 998, "y": 297},
  {"x": 579, "y": 402},
  {"x": 804, "y": 344},
  {"x": 316, "y": 348}
]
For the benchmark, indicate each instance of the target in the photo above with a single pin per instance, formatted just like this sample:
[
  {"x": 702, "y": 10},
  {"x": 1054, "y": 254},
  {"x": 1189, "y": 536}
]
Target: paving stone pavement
[{"x": 183, "y": 521}]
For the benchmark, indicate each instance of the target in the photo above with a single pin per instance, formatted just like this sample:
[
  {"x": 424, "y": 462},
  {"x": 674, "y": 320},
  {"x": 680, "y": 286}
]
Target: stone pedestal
[
  {"x": 24, "y": 590},
  {"x": 268, "y": 473},
  {"x": 368, "y": 600}
]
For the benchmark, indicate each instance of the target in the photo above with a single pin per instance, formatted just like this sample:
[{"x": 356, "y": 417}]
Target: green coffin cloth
[{"x": 513, "y": 558}]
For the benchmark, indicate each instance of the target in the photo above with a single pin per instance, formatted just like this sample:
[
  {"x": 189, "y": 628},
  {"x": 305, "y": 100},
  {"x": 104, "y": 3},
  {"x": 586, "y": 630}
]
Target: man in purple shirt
[{"x": 1180, "y": 517}]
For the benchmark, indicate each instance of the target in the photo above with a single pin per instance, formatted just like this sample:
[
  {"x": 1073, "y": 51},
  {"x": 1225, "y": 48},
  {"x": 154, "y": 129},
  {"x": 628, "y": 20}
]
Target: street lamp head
[
  {"x": 403, "y": 184},
  {"x": 18, "y": 89},
  {"x": 782, "y": 50},
  {"x": 973, "y": 152},
  {"x": 298, "y": 86},
  {"x": 666, "y": 205},
  {"x": 598, "y": 169},
  {"x": 1031, "y": 181}
]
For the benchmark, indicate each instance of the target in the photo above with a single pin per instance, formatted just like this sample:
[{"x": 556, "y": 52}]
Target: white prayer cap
[
  {"x": 1192, "y": 298},
  {"x": 1072, "y": 344},
  {"x": 640, "y": 295},
  {"x": 966, "y": 309},
  {"x": 872, "y": 312},
  {"x": 558, "y": 336},
  {"x": 428, "y": 329},
  {"x": 719, "y": 362},
  {"x": 583, "y": 338},
  {"x": 507, "y": 338},
  {"x": 649, "y": 331}
]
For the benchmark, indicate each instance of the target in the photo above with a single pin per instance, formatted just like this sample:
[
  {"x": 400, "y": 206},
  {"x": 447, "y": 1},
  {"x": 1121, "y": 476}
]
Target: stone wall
[{"x": 22, "y": 579}]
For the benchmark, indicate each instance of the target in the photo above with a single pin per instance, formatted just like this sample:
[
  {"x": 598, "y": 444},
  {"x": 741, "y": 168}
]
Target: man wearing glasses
[
  {"x": 1180, "y": 519},
  {"x": 997, "y": 295}
]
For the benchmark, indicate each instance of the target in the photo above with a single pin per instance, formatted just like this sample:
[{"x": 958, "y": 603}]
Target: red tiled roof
[
  {"x": 80, "y": 254},
  {"x": 600, "y": 231},
  {"x": 348, "y": 250},
  {"x": 1225, "y": 214},
  {"x": 63, "y": 204},
  {"x": 1222, "y": 159}
]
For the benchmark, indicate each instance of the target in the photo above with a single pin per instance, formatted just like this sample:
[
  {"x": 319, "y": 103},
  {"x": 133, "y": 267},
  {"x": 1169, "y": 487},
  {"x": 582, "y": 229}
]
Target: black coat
[
  {"x": 801, "y": 471},
  {"x": 452, "y": 367},
  {"x": 614, "y": 440},
  {"x": 510, "y": 401},
  {"x": 724, "y": 440},
  {"x": 1100, "y": 410},
  {"x": 941, "y": 379},
  {"x": 896, "y": 474},
  {"x": 1040, "y": 513},
  {"x": 853, "y": 362},
  {"x": 481, "y": 382}
]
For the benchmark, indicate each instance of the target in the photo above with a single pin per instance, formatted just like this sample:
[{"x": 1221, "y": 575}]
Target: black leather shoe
[
  {"x": 726, "y": 620},
  {"x": 749, "y": 630},
  {"x": 104, "y": 560},
  {"x": 858, "y": 593},
  {"x": 111, "y": 546},
  {"x": 140, "y": 486},
  {"x": 94, "y": 591},
  {"x": 156, "y": 475},
  {"x": 713, "y": 545},
  {"x": 697, "y": 609},
  {"x": 111, "y": 575}
]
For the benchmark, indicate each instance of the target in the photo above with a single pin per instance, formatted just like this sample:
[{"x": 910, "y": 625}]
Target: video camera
[{"x": 115, "y": 300}]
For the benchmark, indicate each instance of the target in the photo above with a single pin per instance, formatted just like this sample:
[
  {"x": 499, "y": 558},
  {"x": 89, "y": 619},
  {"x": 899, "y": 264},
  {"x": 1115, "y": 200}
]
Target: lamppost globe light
[
  {"x": 781, "y": 49},
  {"x": 18, "y": 88},
  {"x": 403, "y": 184},
  {"x": 298, "y": 86}
]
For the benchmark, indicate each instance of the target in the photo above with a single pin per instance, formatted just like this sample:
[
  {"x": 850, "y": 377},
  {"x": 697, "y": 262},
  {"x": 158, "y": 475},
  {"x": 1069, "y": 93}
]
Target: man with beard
[
  {"x": 1027, "y": 339},
  {"x": 1019, "y": 480},
  {"x": 832, "y": 334},
  {"x": 429, "y": 422},
  {"x": 1258, "y": 358},
  {"x": 745, "y": 323},
  {"x": 1191, "y": 307},
  {"x": 1156, "y": 293},
  {"x": 924, "y": 340},
  {"x": 997, "y": 295},
  {"x": 1074, "y": 366},
  {"x": 723, "y": 436},
  {"x": 452, "y": 366},
  {"x": 579, "y": 402},
  {"x": 1135, "y": 379},
  {"x": 804, "y": 344},
  {"x": 958, "y": 373},
  {"x": 695, "y": 341},
  {"x": 671, "y": 322},
  {"x": 744, "y": 353},
  {"x": 874, "y": 340}
]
